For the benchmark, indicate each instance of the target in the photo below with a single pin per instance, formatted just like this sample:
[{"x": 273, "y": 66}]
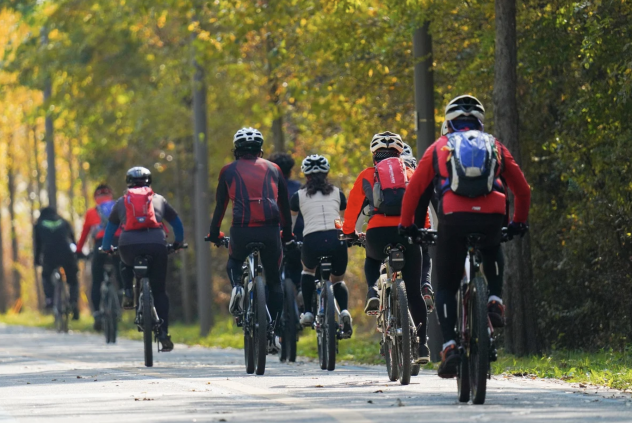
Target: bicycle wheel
[
  {"x": 331, "y": 327},
  {"x": 320, "y": 333},
  {"x": 290, "y": 332},
  {"x": 391, "y": 355},
  {"x": 57, "y": 302},
  {"x": 463, "y": 372},
  {"x": 109, "y": 317},
  {"x": 260, "y": 338},
  {"x": 403, "y": 340},
  {"x": 479, "y": 341},
  {"x": 249, "y": 354},
  {"x": 148, "y": 324}
]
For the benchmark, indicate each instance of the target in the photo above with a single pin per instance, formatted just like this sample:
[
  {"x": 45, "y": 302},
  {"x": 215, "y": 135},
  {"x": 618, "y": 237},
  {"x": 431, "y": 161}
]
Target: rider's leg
[
  {"x": 158, "y": 281},
  {"x": 341, "y": 292},
  {"x": 308, "y": 284},
  {"x": 49, "y": 289},
  {"x": 98, "y": 262},
  {"x": 70, "y": 269},
  {"x": 338, "y": 268},
  {"x": 426, "y": 270}
]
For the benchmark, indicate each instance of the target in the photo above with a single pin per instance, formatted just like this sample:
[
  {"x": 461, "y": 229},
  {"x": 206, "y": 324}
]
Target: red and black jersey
[
  {"x": 258, "y": 191},
  {"x": 433, "y": 165}
]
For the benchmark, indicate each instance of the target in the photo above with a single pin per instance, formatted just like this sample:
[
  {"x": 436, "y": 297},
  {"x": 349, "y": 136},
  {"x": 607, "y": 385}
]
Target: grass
[
  {"x": 362, "y": 348},
  {"x": 605, "y": 368}
]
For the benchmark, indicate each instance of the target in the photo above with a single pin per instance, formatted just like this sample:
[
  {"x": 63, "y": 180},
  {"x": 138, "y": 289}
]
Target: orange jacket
[{"x": 362, "y": 189}]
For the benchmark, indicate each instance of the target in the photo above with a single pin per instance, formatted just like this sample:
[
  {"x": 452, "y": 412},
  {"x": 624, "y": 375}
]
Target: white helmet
[
  {"x": 410, "y": 162},
  {"x": 246, "y": 137},
  {"x": 315, "y": 164},
  {"x": 387, "y": 140},
  {"x": 407, "y": 151},
  {"x": 444, "y": 128},
  {"x": 465, "y": 105}
]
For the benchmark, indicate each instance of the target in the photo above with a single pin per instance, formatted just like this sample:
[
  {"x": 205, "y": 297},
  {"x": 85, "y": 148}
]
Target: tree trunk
[
  {"x": 15, "y": 255},
  {"x": 277, "y": 122},
  {"x": 204, "y": 282},
  {"x": 277, "y": 131},
  {"x": 424, "y": 88},
  {"x": 184, "y": 273},
  {"x": 32, "y": 187},
  {"x": 38, "y": 180},
  {"x": 520, "y": 333},
  {"x": 51, "y": 176},
  {"x": 71, "y": 187},
  {"x": 3, "y": 285}
]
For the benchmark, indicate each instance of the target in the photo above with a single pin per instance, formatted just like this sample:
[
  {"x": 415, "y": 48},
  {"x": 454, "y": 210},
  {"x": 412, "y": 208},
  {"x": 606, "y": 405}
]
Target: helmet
[
  {"x": 138, "y": 177},
  {"x": 444, "y": 128},
  {"x": 248, "y": 137},
  {"x": 407, "y": 150},
  {"x": 102, "y": 189},
  {"x": 387, "y": 140},
  {"x": 410, "y": 162},
  {"x": 465, "y": 105},
  {"x": 315, "y": 164},
  {"x": 284, "y": 161}
]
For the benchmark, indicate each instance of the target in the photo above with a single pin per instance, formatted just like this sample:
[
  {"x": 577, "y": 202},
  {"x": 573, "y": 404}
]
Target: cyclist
[
  {"x": 382, "y": 231},
  {"x": 54, "y": 242},
  {"x": 321, "y": 204},
  {"x": 94, "y": 225},
  {"x": 144, "y": 236},
  {"x": 293, "y": 266},
  {"x": 259, "y": 194},
  {"x": 462, "y": 213}
]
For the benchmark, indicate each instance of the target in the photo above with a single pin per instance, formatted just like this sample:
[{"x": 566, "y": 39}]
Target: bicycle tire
[
  {"x": 249, "y": 354},
  {"x": 109, "y": 318},
  {"x": 290, "y": 331},
  {"x": 57, "y": 304},
  {"x": 148, "y": 324},
  {"x": 392, "y": 357},
  {"x": 331, "y": 326},
  {"x": 320, "y": 333},
  {"x": 260, "y": 338},
  {"x": 463, "y": 371},
  {"x": 479, "y": 341},
  {"x": 404, "y": 341}
]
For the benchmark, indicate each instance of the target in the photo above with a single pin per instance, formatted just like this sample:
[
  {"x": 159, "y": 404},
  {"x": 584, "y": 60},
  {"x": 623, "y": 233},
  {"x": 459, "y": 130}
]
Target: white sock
[
  {"x": 495, "y": 298},
  {"x": 447, "y": 344}
]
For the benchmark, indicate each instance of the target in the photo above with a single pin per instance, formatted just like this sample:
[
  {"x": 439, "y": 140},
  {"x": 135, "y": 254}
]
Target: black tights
[{"x": 308, "y": 284}]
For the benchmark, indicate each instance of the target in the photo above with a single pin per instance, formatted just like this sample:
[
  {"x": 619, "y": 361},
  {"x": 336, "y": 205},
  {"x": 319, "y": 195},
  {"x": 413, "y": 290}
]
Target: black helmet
[
  {"x": 138, "y": 177},
  {"x": 102, "y": 189}
]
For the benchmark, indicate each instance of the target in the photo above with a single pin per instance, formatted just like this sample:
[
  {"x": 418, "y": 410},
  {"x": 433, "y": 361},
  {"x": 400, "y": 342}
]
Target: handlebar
[
  {"x": 424, "y": 237},
  {"x": 360, "y": 241},
  {"x": 170, "y": 249},
  {"x": 223, "y": 242}
]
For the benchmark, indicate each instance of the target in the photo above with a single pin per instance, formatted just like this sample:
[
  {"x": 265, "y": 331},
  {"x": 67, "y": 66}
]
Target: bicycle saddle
[
  {"x": 141, "y": 266},
  {"x": 475, "y": 239},
  {"x": 256, "y": 246}
]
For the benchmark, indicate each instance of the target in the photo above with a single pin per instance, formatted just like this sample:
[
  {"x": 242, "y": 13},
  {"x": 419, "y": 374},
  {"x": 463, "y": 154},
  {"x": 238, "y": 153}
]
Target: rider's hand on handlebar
[
  {"x": 177, "y": 245},
  {"x": 288, "y": 237},
  {"x": 411, "y": 231},
  {"x": 517, "y": 228},
  {"x": 351, "y": 239},
  {"x": 216, "y": 238}
]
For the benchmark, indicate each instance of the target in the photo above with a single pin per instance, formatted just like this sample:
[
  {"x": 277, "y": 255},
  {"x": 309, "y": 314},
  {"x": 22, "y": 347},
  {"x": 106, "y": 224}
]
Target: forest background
[{"x": 320, "y": 76}]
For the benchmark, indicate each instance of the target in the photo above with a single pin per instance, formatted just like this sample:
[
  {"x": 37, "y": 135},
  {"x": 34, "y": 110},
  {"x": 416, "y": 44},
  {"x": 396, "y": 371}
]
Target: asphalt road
[{"x": 45, "y": 376}]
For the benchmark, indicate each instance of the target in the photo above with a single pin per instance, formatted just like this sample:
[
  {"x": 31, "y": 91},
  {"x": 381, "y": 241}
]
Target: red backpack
[
  {"x": 389, "y": 187},
  {"x": 139, "y": 209}
]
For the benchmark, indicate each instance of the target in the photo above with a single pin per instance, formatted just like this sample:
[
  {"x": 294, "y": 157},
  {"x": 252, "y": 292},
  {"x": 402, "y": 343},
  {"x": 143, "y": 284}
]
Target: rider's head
[
  {"x": 138, "y": 177},
  {"x": 315, "y": 164},
  {"x": 385, "y": 145},
  {"x": 48, "y": 213},
  {"x": 102, "y": 194},
  {"x": 464, "y": 113},
  {"x": 284, "y": 161},
  {"x": 247, "y": 142}
]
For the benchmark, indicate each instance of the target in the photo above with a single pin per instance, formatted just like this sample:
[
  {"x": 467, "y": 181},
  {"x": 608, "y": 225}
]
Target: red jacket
[
  {"x": 435, "y": 163},
  {"x": 356, "y": 202},
  {"x": 91, "y": 225}
]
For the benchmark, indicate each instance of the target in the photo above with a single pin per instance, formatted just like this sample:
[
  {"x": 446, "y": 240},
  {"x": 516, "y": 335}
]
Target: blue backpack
[
  {"x": 104, "y": 209},
  {"x": 473, "y": 163}
]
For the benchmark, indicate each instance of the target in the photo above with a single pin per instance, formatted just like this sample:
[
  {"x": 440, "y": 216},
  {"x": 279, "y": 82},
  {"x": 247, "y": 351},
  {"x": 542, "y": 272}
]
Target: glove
[
  {"x": 177, "y": 245},
  {"x": 351, "y": 238},
  {"x": 517, "y": 228},
  {"x": 408, "y": 231},
  {"x": 215, "y": 237},
  {"x": 287, "y": 237}
]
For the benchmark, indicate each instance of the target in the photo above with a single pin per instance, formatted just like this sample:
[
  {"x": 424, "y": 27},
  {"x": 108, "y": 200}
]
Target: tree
[{"x": 520, "y": 333}]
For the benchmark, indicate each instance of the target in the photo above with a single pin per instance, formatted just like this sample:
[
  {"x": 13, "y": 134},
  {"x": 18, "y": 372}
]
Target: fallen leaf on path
[
  {"x": 319, "y": 386},
  {"x": 379, "y": 391},
  {"x": 370, "y": 402},
  {"x": 399, "y": 403}
]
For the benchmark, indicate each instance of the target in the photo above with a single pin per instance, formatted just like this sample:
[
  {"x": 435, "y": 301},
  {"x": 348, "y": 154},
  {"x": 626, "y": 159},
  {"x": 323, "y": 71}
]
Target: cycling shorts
[{"x": 325, "y": 243}]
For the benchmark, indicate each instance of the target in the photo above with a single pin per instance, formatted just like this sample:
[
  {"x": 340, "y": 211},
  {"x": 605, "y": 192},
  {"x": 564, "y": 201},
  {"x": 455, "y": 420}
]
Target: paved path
[{"x": 45, "y": 376}]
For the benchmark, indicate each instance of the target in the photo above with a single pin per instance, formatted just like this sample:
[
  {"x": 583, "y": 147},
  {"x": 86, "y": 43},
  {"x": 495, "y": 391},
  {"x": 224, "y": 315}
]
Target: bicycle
[
  {"x": 61, "y": 301},
  {"x": 475, "y": 333},
  {"x": 110, "y": 307},
  {"x": 146, "y": 320},
  {"x": 290, "y": 319},
  {"x": 254, "y": 318}
]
